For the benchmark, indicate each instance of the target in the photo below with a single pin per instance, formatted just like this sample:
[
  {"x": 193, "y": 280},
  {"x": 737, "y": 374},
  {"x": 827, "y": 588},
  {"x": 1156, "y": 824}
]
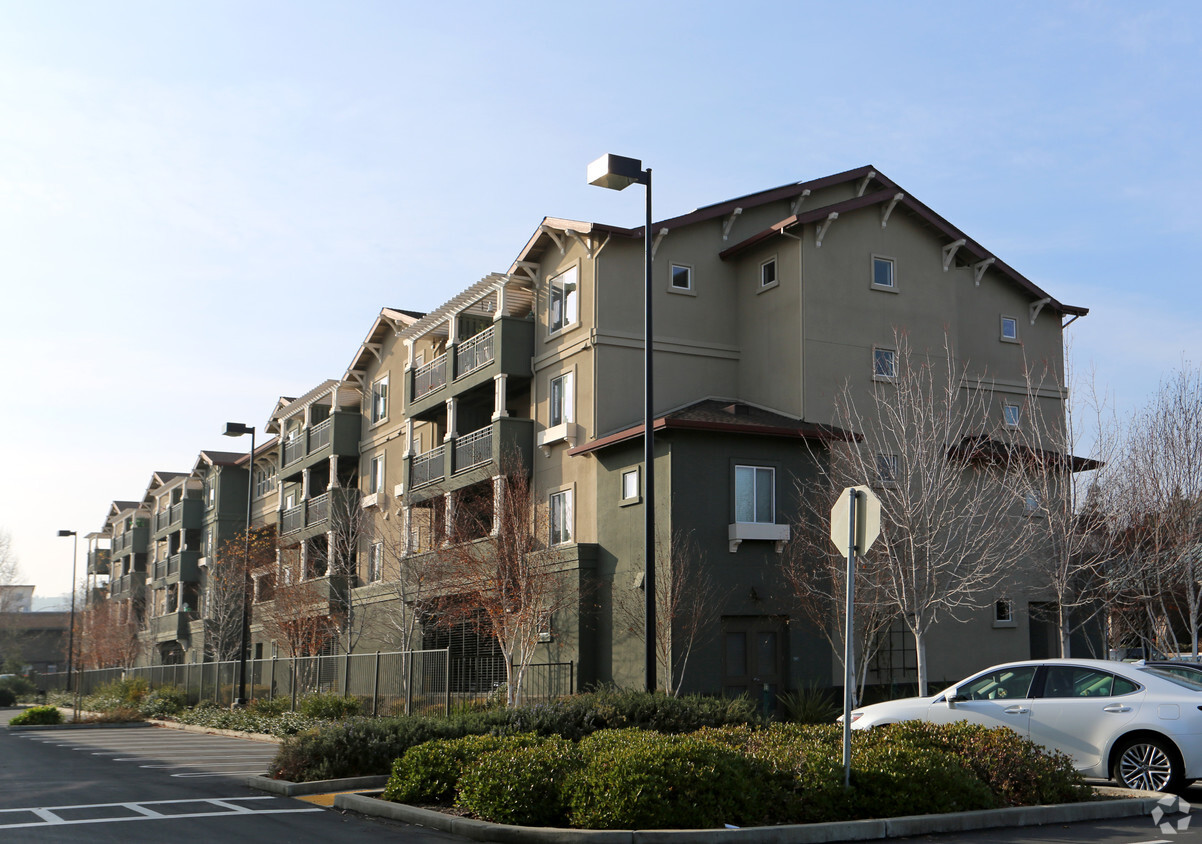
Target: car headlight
[{"x": 856, "y": 716}]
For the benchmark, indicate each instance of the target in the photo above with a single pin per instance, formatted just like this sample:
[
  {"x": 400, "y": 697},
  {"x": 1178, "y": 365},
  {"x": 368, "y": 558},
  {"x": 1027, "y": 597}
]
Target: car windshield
[{"x": 1174, "y": 677}]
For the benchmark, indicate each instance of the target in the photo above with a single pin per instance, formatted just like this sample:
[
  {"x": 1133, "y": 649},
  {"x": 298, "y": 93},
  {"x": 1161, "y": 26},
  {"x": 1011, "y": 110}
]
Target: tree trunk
[
  {"x": 1065, "y": 633},
  {"x": 920, "y": 652}
]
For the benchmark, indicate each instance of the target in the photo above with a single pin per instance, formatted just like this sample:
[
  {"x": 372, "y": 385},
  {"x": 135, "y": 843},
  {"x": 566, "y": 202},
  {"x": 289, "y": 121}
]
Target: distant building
[{"x": 16, "y": 598}]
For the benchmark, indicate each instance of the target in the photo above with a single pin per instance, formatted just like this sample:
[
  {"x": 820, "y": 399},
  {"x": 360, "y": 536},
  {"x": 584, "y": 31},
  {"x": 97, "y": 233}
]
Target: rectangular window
[
  {"x": 379, "y": 400},
  {"x": 886, "y": 468},
  {"x": 375, "y": 481},
  {"x": 682, "y": 277},
  {"x": 755, "y": 494},
  {"x": 375, "y": 562},
  {"x": 630, "y": 484},
  {"x": 1009, "y": 328},
  {"x": 768, "y": 273},
  {"x": 563, "y": 301},
  {"x": 562, "y": 409},
  {"x": 1012, "y": 415},
  {"x": 884, "y": 364},
  {"x": 882, "y": 273},
  {"x": 1003, "y": 610},
  {"x": 1032, "y": 503},
  {"x": 561, "y": 517}
]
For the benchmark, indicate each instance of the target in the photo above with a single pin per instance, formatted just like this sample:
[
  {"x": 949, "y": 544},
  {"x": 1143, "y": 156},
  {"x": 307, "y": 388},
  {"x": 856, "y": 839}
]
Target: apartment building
[{"x": 766, "y": 307}]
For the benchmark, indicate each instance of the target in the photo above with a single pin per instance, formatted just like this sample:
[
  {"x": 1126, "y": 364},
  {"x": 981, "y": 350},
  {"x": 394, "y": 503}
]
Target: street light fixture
[
  {"x": 237, "y": 429},
  {"x": 618, "y": 172},
  {"x": 71, "y": 631}
]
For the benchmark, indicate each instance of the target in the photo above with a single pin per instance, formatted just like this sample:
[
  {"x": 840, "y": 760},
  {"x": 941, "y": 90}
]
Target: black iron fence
[{"x": 396, "y": 683}]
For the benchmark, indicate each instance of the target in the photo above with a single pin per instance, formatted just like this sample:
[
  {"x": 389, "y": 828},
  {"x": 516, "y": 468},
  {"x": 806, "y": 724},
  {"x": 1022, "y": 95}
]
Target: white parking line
[{"x": 49, "y": 815}]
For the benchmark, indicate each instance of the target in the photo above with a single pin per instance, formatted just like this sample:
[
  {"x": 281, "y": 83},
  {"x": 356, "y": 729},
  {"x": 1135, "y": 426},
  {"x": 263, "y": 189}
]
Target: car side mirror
[{"x": 952, "y": 697}]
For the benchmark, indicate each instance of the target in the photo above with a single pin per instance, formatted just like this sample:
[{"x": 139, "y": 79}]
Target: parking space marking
[{"x": 141, "y": 811}]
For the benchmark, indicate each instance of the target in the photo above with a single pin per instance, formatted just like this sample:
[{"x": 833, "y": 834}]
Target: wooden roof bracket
[
  {"x": 659, "y": 235},
  {"x": 588, "y": 245},
  {"x": 529, "y": 268},
  {"x": 978, "y": 269},
  {"x": 868, "y": 177},
  {"x": 730, "y": 221},
  {"x": 551, "y": 233},
  {"x": 823, "y": 226},
  {"x": 1036, "y": 307},
  {"x": 796, "y": 204},
  {"x": 888, "y": 209},
  {"x": 1072, "y": 319},
  {"x": 949, "y": 252}
]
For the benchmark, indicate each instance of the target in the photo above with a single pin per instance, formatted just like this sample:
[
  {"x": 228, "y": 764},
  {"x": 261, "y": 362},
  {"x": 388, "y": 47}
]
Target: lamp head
[
  {"x": 66, "y": 533},
  {"x": 616, "y": 172},
  {"x": 237, "y": 429}
]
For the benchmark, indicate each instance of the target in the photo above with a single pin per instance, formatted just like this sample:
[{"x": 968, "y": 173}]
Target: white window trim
[
  {"x": 886, "y": 378},
  {"x": 684, "y": 291},
  {"x": 575, "y": 321},
  {"x": 775, "y": 274},
  {"x": 884, "y": 288},
  {"x": 566, "y": 430},
  {"x": 568, "y": 517},
  {"x": 372, "y": 418},
  {"x": 376, "y": 480},
  {"x": 1009, "y": 621},
  {"x": 892, "y": 462},
  {"x": 1018, "y": 415},
  {"x": 1002, "y": 329},
  {"x": 624, "y": 500},
  {"x": 739, "y": 532}
]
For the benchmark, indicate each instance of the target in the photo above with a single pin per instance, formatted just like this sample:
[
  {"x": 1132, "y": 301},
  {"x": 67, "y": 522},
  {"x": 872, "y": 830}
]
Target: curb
[
  {"x": 116, "y": 725},
  {"x": 198, "y": 728},
  {"x": 295, "y": 789},
  {"x": 859, "y": 830}
]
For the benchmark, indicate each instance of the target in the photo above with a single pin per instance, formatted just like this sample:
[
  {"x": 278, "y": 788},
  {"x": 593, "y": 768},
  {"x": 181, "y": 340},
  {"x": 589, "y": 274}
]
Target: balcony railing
[
  {"x": 474, "y": 353},
  {"x": 319, "y": 434},
  {"x": 294, "y": 449},
  {"x": 473, "y": 449},
  {"x": 427, "y": 468},
  {"x": 292, "y": 519},
  {"x": 162, "y": 519},
  {"x": 319, "y": 509},
  {"x": 430, "y": 377},
  {"x": 159, "y": 570}
]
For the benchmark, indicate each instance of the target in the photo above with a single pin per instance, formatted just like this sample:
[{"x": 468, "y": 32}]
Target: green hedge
[{"x": 37, "y": 715}]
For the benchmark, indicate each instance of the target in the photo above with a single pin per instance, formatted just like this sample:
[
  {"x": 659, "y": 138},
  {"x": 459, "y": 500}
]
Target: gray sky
[{"x": 203, "y": 206}]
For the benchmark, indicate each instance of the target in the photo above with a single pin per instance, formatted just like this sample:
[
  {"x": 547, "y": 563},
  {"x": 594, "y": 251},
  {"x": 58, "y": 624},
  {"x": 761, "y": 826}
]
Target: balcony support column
[
  {"x": 303, "y": 574},
  {"x": 448, "y": 517},
  {"x": 500, "y": 311},
  {"x": 409, "y": 450},
  {"x": 452, "y": 422},
  {"x": 406, "y": 515},
  {"x": 499, "y": 411},
  {"x": 304, "y": 485},
  {"x": 498, "y": 501},
  {"x": 334, "y": 483},
  {"x": 332, "y": 565}
]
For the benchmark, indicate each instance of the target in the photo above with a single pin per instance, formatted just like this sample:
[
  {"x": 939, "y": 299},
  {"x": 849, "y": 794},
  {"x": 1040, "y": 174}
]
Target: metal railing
[
  {"x": 319, "y": 434},
  {"x": 396, "y": 683},
  {"x": 319, "y": 509},
  {"x": 473, "y": 449},
  {"x": 294, "y": 449},
  {"x": 427, "y": 467},
  {"x": 292, "y": 519},
  {"x": 430, "y": 377},
  {"x": 474, "y": 353}
]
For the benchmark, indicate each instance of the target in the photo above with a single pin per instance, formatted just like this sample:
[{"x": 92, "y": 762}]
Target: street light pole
[
  {"x": 237, "y": 429},
  {"x": 71, "y": 632},
  {"x": 617, "y": 172}
]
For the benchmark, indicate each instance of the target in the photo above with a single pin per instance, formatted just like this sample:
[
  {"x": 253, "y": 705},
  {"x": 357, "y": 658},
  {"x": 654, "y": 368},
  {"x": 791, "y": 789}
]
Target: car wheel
[{"x": 1150, "y": 764}]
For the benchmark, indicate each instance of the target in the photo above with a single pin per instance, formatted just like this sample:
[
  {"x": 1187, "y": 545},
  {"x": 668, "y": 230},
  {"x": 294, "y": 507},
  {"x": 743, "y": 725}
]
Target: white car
[{"x": 1137, "y": 724}]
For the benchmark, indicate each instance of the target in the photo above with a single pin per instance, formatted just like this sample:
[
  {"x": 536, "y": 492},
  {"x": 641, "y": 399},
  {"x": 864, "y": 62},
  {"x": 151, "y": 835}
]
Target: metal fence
[{"x": 396, "y": 683}]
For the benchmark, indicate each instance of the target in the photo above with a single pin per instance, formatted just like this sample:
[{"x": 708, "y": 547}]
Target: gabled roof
[
  {"x": 267, "y": 447},
  {"x": 216, "y": 458},
  {"x": 724, "y": 416},
  {"x": 328, "y": 387},
  {"x": 390, "y": 320}
]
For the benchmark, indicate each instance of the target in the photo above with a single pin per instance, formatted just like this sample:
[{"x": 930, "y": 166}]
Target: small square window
[
  {"x": 1032, "y": 503},
  {"x": 768, "y": 273},
  {"x": 1012, "y": 415},
  {"x": 755, "y": 494},
  {"x": 1003, "y": 610},
  {"x": 630, "y": 485},
  {"x": 682, "y": 277},
  {"x": 1009, "y": 329},
  {"x": 882, "y": 273},
  {"x": 563, "y": 301},
  {"x": 884, "y": 364},
  {"x": 886, "y": 468}
]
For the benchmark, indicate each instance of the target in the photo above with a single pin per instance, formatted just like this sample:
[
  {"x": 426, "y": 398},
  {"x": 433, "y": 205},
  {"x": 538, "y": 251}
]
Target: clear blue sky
[{"x": 203, "y": 205}]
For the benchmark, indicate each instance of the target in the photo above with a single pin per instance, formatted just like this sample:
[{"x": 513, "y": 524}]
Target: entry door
[{"x": 753, "y": 661}]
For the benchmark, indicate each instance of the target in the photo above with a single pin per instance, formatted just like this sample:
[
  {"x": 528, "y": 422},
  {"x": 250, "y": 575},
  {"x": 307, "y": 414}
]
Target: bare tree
[
  {"x": 947, "y": 491},
  {"x": 817, "y": 576},
  {"x": 1069, "y": 503},
  {"x": 298, "y": 614},
  {"x": 498, "y": 574},
  {"x": 228, "y": 584},
  {"x": 351, "y": 527},
  {"x": 1162, "y": 483},
  {"x": 10, "y": 573},
  {"x": 109, "y": 636},
  {"x": 685, "y": 604},
  {"x": 406, "y": 579}
]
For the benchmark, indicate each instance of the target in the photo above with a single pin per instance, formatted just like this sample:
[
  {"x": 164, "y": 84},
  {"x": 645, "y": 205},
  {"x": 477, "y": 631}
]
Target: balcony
[
  {"x": 313, "y": 515},
  {"x": 171, "y": 627},
  {"x": 335, "y": 436},
  {"x": 98, "y": 561},
  {"x": 183, "y": 515},
  {"x": 183, "y": 567},
  {"x": 469, "y": 459},
  {"x": 127, "y": 586},
  {"x": 505, "y": 347},
  {"x": 132, "y": 541}
]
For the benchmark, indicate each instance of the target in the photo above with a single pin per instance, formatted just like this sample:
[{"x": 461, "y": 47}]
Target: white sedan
[{"x": 1139, "y": 725}]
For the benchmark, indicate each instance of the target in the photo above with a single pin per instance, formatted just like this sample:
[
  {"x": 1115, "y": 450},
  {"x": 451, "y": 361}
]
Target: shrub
[
  {"x": 430, "y": 772},
  {"x": 272, "y": 707},
  {"x": 18, "y": 685},
  {"x": 520, "y": 783},
  {"x": 38, "y": 715},
  {"x": 891, "y": 779},
  {"x": 355, "y": 747},
  {"x": 811, "y": 704},
  {"x": 640, "y": 779},
  {"x": 163, "y": 702},
  {"x": 330, "y": 707},
  {"x": 118, "y": 715},
  {"x": 7, "y": 696}
]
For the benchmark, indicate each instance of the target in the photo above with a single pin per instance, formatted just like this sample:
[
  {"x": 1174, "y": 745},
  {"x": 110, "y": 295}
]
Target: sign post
[{"x": 855, "y": 525}]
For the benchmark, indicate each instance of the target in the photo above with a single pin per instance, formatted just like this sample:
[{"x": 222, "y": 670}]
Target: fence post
[
  {"x": 375, "y": 689},
  {"x": 571, "y": 677},
  {"x": 294, "y": 682},
  {"x": 346, "y": 673},
  {"x": 271, "y": 688},
  {"x": 409, "y": 686},
  {"x": 448, "y": 706}
]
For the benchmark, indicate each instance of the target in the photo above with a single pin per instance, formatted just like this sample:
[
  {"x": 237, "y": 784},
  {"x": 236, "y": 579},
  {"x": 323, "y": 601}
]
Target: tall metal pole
[
  {"x": 848, "y": 646},
  {"x": 71, "y": 633},
  {"x": 649, "y": 457},
  {"x": 250, "y": 481}
]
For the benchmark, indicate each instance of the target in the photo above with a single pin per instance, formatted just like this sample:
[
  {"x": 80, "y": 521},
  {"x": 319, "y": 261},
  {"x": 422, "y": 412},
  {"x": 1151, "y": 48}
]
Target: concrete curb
[
  {"x": 294, "y": 789},
  {"x": 859, "y": 830},
  {"x": 200, "y": 728},
  {"x": 69, "y": 726}
]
